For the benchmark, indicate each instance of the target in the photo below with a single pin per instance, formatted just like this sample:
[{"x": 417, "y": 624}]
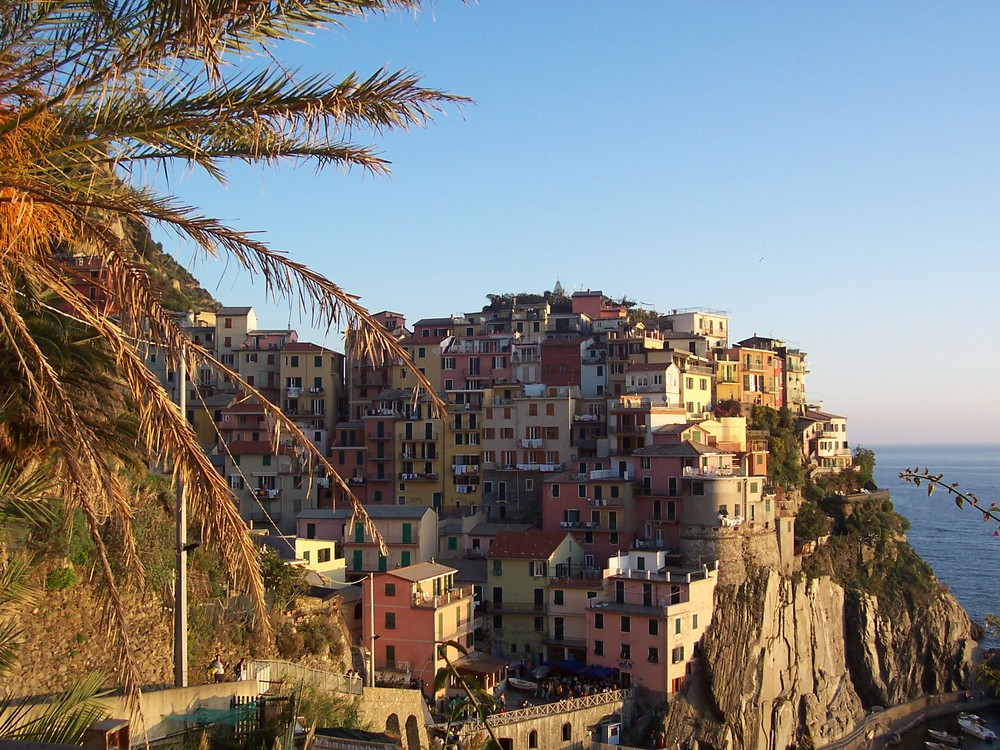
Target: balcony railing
[
  {"x": 531, "y": 442},
  {"x": 539, "y": 467},
  {"x": 515, "y": 607},
  {"x": 459, "y": 469},
  {"x": 293, "y": 392},
  {"x": 424, "y": 599},
  {"x": 721, "y": 471}
]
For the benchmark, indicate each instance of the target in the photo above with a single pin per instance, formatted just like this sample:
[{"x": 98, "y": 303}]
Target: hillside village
[{"x": 568, "y": 510}]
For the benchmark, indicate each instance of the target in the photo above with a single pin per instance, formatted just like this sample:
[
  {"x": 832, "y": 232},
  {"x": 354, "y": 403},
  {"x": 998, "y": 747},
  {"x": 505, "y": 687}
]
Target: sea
[{"x": 956, "y": 542}]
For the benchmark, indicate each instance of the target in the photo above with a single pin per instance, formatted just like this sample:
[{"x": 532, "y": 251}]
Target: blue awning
[{"x": 566, "y": 666}]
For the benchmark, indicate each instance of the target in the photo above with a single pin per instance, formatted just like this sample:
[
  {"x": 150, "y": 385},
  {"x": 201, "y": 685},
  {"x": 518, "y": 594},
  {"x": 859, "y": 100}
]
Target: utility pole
[
  {"x": 371, "y": 633},
  {"x": 180, "y": 580}
]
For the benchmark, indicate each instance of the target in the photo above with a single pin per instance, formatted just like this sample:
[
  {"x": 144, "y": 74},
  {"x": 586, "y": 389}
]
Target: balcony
[
  {"x": 604, "y": 502},
  {"x": 716, "y": 473},
  {"x": 352, "y": 480},
  {"x": 383, "y": 436},
  {"x": 262, "y": 493},
  {"x": 515, "y": 607},
  {"x": 316, "y": 389},
  {"x": 588, "y": 525},
  {"x": 587, "y": 418},
  {"x": 431, "y": 601},
  {"x": 531, "y": 442},
  {"x": 539, "y": 467},
  {"x": 415, "y": 477},
  {"x": 460, "y": 469},
  {"x": 628, "y": 474},
  {"x": 293, "y": 392}
]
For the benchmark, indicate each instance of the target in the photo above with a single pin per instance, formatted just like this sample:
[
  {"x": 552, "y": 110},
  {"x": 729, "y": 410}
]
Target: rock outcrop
[{"x": 785, "y": 655}]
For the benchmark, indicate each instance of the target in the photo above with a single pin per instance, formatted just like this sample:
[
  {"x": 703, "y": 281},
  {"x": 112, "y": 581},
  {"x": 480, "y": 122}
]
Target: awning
[{"x": 566, "y": 666}]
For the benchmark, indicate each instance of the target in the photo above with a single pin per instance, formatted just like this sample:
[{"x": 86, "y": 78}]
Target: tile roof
[
  {"x": 374, "y": 511},
  {"x": 422, "y": 571},
  {"x": 527, "y": 545},
  {"x": 686, "y": 449},
  {"x": 304, "y": 346},
  {"x": 491, "y": 528},
  {"x": 234, "y": 310}
]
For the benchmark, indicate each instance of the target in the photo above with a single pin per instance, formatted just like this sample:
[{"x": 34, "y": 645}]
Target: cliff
[{"x": 790, "y": 654}]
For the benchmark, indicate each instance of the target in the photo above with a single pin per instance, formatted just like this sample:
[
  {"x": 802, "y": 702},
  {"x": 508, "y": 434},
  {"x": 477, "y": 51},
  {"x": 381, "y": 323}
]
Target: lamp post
[
  {"x": 180, "y": 582},
  {"x": 371, "y": 632}
]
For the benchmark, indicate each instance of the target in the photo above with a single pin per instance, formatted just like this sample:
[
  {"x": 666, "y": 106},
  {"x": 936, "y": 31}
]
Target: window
[
  {"x": 697, "y": 488},
  {"x": 390, "y": 589},
  {"x": 559, "y": 597},
  {"x": 653, "y": 656},
  {"x": 390, "y": 656},
  {"x": 538, "y": 569},
  {"x": 694, "y": 621},
  {"x": 599, "y": 621},
  {"x": 567, "y": 732},
  {"x": 626, "y": 624},
  {"x": 294, "y": 361},
  {"x": 533, "y": 739},
  {"x": 550, "y": 410},
  {"x": 529, "y": 485},
  {"x": 323, "y": 555},
  {"x": 654, "y": 626},
  {"x": 533, "y": 410},
  {"x": 581, "y": 490},
  {"x": 626, "y": 652},
  {"x": 677, "y": 655},
  {"x": 453, "y": 542},
  {"x": 599, "y": 648},
  {"x": 266, "y": 460},
  {"x": 677, "y": 626},
  {"x": 498, "y": 567},
  {"x": 539, "y": 624},
  {"x": 229, "y": 322},
  {"x": 555, "y": 490},
  {"x": 390, "y": 620},
  {"x": 310, "y": 531}
]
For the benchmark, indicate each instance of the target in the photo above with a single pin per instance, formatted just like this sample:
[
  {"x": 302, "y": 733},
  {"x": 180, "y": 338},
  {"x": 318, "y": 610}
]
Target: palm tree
[{"x": 91, "y": 94}]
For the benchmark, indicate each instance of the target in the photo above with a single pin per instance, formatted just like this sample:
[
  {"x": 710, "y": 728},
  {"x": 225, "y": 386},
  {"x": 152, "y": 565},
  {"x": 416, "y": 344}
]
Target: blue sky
[{"x": 827, "y": 173}]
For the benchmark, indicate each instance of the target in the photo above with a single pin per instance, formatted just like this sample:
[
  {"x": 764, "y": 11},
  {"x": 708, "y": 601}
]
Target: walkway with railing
[
  {"x": 547, "y": 709},
  {"x": 274, "y": 672}
]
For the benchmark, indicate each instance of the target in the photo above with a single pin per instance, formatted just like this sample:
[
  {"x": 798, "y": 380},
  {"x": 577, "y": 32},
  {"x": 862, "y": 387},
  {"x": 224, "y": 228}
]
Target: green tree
[
  {"x": 92, "y": 93},
  {"x": 864, "y": 464}
]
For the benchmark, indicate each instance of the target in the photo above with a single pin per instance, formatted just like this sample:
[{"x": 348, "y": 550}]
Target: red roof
[{"x": 527, "y": 545}]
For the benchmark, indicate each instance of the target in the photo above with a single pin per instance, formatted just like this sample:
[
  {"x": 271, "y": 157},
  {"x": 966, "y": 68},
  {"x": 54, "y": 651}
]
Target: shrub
[{"x": 60, "y": 578}]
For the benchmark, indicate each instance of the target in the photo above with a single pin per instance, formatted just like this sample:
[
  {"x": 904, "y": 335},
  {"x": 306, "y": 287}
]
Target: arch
[
  {"x": 567, "y": 732},
  {"x": 533, "y": 739},
  {"x": 392, "y": 725},
  {"x": 412, "y": 733}
]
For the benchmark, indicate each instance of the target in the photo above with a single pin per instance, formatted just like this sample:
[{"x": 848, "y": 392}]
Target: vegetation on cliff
[
  {"x": 867, "y": 551},
  {"x": 784, "y": 461}
]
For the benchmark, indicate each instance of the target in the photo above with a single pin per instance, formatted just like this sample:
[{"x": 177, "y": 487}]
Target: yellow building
[{"x": 519, "y": 567}]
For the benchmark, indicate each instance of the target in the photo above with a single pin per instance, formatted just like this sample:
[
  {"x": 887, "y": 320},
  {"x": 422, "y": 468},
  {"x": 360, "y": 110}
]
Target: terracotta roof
[{"x": 527, "y": 545}]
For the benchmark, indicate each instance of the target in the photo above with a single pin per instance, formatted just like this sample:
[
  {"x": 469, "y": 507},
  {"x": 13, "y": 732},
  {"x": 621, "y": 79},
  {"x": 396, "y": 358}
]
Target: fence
[
  {"x": 547, "y": 709},
  {"x": 273, "y": 672}
]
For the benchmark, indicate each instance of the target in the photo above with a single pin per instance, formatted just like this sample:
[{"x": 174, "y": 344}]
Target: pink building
[
  {"x": 414, "y": 609},
  {"x": 649, "y": 618},
  {"x": 596, "y": 507}
]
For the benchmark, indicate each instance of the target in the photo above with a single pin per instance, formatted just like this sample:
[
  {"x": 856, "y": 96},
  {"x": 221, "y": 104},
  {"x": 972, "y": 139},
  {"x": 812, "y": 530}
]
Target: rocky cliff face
[{"x": 785, "y": 654}]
